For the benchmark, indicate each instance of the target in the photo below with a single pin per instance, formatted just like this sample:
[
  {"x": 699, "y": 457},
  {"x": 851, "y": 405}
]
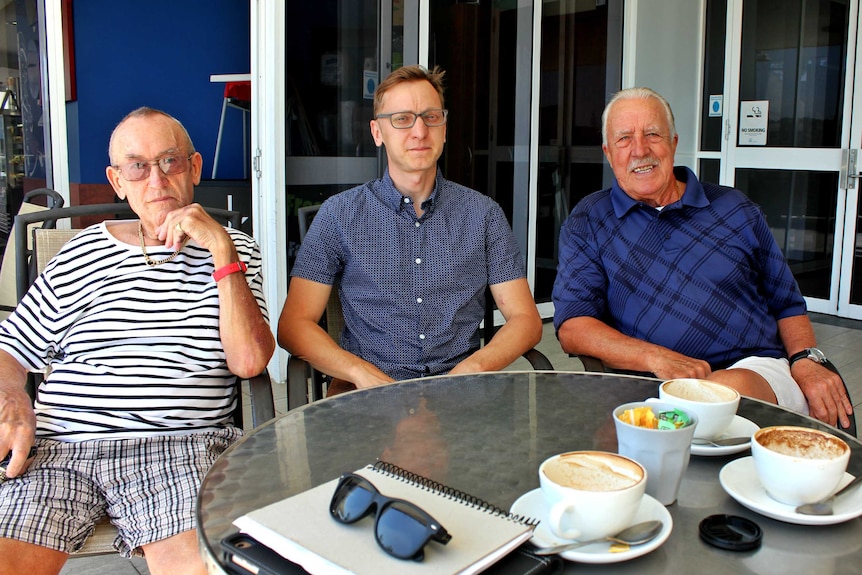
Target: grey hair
[{"x": 634, "y": 94}]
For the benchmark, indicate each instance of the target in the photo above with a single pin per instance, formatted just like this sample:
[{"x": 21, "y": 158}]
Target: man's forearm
[{"x": 310, "y": 342}]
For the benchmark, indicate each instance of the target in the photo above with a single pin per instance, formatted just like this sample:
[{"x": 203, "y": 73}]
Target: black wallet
[
  {"x": 246, "y": 556},
  {"x": 522, "y": 561}
]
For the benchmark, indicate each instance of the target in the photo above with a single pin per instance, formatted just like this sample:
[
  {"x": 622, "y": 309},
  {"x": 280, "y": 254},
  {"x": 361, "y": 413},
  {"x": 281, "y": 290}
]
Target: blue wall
[{"x": 158, "y": 53}]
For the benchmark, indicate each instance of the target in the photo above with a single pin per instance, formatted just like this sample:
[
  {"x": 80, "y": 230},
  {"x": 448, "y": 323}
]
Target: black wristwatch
[{"x": 811, "y": 353}]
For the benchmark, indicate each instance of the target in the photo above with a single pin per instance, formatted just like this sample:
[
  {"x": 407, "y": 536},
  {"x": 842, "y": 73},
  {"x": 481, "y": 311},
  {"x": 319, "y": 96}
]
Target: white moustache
[{"x": 643, "y": 163}]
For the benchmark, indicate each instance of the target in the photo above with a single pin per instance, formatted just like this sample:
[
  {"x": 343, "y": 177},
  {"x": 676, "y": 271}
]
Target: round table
[{"x": 486, "y": 434}]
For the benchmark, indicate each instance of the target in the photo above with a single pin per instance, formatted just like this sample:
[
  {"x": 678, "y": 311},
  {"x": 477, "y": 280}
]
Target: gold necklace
[{"x": 150, "y": 261}]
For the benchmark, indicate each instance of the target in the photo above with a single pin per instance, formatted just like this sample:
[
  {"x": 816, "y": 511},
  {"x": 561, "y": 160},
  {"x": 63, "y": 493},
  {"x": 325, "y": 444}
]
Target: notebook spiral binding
[{"x": 401, "y": 474}]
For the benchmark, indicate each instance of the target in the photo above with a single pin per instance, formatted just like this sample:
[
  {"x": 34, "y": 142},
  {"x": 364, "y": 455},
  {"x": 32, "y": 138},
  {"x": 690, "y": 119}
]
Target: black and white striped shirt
[{"x": 133, "y": 350}]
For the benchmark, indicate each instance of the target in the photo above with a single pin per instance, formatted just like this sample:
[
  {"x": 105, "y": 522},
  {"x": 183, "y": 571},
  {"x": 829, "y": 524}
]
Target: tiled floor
[{"x": 840, "y": 339}]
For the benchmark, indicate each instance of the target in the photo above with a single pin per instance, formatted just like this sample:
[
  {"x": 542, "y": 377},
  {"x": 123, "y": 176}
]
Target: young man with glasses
[
  {"x": 145, "y": 323},
  {"x": 411, "y": 254}
]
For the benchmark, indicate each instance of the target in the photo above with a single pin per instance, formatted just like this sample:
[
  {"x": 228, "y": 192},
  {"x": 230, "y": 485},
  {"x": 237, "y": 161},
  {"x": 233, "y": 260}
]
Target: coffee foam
[
  {"x": 699, "y": 390},
  {"x": 802, "y": 443},
  {"x": 593, "y": 472}
]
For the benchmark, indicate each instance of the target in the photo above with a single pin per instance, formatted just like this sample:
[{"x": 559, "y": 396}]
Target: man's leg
[
  {"x": 18, "y": 557},
  {"x": 177, "y": 555},
  {"x": 745, "y": 382}
]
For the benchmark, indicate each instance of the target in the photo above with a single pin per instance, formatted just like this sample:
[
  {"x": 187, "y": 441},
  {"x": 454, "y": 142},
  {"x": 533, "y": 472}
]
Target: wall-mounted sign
[
  {"x": 715, "y": 105},
  {"x": 753, "y": 116}
]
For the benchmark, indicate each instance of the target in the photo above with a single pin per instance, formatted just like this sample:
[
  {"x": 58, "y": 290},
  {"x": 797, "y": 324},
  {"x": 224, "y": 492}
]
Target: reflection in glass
[
  {"x": 23, "y": 165},
  {"x": 800, "y": 208},
  {"x": 328, "y": 106},
  {"x": 793, "y": 55},
  {"x": 576, "y": 78},
  {"x": 713, "y": 74},
  {"x": 856, "y": 282}
]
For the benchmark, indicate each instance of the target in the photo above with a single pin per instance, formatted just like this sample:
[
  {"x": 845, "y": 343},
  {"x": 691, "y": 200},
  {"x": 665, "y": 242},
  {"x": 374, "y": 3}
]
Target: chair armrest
[
  {"x": 262, "y": 402},
  {"x": 298, "y": 373},
  {"x": 852, "y": 417},
  {"x": 590, "y": 363},
  {"x": 538, "y": 360}
]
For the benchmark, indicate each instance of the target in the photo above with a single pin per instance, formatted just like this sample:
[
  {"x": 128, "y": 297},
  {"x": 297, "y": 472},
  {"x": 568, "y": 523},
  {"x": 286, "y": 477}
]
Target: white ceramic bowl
[
  {"x": 798, "y": 465},
  {"x": 714, "y": 404}
]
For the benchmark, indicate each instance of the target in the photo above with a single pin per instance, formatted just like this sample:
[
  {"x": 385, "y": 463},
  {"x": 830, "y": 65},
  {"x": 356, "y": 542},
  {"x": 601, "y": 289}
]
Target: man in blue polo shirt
[
  {"x": 661, "y": 273},
  {"x": 411, "y": 255}
]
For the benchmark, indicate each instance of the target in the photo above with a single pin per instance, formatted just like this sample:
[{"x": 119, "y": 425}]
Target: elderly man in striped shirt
[{"x": 145, "y": 323}]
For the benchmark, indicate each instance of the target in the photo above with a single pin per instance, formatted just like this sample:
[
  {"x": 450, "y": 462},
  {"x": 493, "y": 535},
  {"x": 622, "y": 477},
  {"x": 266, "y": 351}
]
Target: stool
[{"x": 236, "y": 95}]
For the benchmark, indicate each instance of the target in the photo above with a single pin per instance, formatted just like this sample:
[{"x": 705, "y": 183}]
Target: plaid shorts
[{"x": 148, "y": 487}]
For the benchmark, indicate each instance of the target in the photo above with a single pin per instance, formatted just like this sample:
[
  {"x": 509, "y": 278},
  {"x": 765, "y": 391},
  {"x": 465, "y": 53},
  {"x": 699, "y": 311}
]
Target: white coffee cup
[
  {"x": 798, "y": 465},
  {"x": 591, "y": 494},
  {"x": 714, "y": 404}
]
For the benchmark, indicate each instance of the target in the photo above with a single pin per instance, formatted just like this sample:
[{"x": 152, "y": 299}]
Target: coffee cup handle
[{"x": 555, "y": 519}]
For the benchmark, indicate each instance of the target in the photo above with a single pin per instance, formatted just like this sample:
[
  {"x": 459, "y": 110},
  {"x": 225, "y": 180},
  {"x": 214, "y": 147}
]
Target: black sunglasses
[{"x": 401, "y": 528}]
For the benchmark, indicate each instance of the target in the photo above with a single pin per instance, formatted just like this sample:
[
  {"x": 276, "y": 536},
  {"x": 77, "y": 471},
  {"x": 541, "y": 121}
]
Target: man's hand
[
  {"x": 825, "y": 392},
  {"x": 17, "y": 428},
  {"x": 667, "y": 364}
]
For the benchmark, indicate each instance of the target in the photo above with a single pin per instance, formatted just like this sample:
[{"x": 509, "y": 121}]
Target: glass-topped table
[{"x": 486, "y": 435}]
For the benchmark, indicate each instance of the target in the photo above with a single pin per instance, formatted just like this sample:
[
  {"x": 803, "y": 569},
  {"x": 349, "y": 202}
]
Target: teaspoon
[
  {"x": 634, "y": 535},
  {"x": 825, "y": 507},
  {"x": 722, "y": 442}
]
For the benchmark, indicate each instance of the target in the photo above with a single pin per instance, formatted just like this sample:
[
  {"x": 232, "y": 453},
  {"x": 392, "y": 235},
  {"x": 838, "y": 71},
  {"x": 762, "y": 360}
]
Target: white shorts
[{"x": 776, "y": 372}]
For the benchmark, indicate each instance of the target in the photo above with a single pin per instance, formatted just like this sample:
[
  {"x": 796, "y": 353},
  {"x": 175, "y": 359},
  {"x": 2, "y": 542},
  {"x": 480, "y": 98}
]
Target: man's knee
[
  {"x": 175, "y": 555},
  {"x": 18, "y": 557}
]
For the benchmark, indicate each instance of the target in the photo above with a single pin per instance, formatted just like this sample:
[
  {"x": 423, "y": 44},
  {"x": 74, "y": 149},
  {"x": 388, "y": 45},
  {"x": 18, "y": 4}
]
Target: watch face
[{"x": 816, "y": 355}]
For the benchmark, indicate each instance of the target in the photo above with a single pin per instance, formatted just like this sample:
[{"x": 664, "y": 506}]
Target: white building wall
[{"x": 664, "y": 51}]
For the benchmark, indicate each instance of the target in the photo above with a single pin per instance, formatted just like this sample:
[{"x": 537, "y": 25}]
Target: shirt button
[
  {"x": 421, "y": 336},
  {"x": 418, "y": 260},
  {"x": 406, "y": 200},
  {"x": 417, "y": 224},
  {"x": 418, "y": 300}
]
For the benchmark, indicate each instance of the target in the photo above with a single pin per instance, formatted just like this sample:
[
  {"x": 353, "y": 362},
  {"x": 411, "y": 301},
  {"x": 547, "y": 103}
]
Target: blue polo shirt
[
  {"x": 412, "y": 288},
  {"x": 702, "y": 276}
]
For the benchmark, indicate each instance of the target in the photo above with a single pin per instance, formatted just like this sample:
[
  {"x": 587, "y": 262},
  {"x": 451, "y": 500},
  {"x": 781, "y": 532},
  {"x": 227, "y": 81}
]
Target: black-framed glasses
[
  {"x": 401, "y": 528},
  {"x": 170, "y": 165},
  {"x": 406, "y": 120}
]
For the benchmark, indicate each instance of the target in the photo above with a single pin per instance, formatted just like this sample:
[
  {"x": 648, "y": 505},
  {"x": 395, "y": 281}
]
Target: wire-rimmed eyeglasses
[
  {"x": 170, "y": 165},
  {"x": 406, "y": 120}
]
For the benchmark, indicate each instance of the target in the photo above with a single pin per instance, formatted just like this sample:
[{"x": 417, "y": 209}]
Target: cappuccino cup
[
  {"x": 591, "y": 494},
  {"x": 798, "y": 465},
  {"x": 714, "y": 404}
]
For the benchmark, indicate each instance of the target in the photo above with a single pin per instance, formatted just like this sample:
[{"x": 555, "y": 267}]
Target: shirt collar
[
  {"x": 390, "y": 195},
  {"x": 693, "y": 196}
]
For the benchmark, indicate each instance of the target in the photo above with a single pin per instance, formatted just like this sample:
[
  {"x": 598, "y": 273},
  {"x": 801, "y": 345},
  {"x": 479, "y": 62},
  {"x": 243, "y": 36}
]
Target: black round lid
[{"x": 731, "y": 532}]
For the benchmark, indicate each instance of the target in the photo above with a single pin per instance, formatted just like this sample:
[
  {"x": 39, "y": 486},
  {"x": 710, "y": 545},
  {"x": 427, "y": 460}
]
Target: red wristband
[{"x": 229, "y": 269}]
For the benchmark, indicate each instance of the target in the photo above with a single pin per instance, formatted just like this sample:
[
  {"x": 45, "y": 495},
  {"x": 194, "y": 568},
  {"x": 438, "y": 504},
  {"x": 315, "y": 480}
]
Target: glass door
[
  {"x": 850, "y": 285},
  {"x": 490, "y": 53},
  {"x": 788, "y": 130},
  {"x": 333, "y": 52}
]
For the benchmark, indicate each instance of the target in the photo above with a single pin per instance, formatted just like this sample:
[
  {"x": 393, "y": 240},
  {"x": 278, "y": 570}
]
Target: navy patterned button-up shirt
[
  {"x": 412, "y": 288},
  {"x": 703, "y": 276}
]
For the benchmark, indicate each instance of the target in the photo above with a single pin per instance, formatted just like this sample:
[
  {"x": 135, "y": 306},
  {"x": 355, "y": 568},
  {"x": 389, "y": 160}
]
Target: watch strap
[
  {"x": 805, "y": 354},
  {"x": 233, "y": 268}
]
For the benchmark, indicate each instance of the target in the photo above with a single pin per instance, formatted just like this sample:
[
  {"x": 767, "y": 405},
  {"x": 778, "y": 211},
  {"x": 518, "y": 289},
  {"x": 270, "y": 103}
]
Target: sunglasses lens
[
  {"x": 402, "y": 531},
  {"x": 352, "y": 501}
]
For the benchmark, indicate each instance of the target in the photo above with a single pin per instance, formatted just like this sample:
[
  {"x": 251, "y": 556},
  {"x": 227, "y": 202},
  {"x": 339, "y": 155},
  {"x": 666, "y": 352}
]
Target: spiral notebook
[{"x": 300, "y": 529}]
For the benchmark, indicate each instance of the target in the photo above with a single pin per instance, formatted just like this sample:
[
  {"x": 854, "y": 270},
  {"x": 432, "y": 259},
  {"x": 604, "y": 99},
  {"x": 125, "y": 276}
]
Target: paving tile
[{"x": 105, "y": 565}]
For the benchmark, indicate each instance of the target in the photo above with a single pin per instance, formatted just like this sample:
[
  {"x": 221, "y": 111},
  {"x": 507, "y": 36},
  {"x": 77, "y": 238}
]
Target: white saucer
[
  {"x": 740, "y": 427},
  {"x": 532, "y": 504},
  {"x": 739, "y": 479}
]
